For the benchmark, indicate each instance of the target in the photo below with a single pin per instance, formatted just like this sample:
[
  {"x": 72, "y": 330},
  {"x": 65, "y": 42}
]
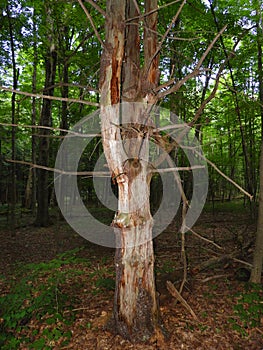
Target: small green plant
[
  {"x": 103, "y": 279},
  {"x": 37, "y": 293},
  {"x": 105, "y": 283},
  {"x": 166, "y": 267},
  {"x": 248, "y": 309}
]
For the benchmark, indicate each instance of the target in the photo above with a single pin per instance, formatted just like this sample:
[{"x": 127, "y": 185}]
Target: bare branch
[
  {"x": 172, "y": 126},
  {"x": 194, "y": 73},
  {"x": 85, "y": 87},
  {"x": 55, "y": 98},
  {"x": 187, "y": 168},
  {"x": 73, "y": 133},
  {"x": 91, "y": 22},
  {"x": 137, "y": 9},
  {"x": 210, "y": 46},
  {"x": 203, "y": 238},
  {"x": 243, "y": 262},
  {"x": 212, "y": 94},
  {"x": 166, "y": 33},
  {"x": 211, "y": 278},
  {"x": 152, "y": 11},
  {"x": 174, "y": 292},
  {"x": 225, "y": 176},
  {"x": 97, "y": 7},
  {"x": 59, "y": 171},
  {"x": 177, "y": 86}
]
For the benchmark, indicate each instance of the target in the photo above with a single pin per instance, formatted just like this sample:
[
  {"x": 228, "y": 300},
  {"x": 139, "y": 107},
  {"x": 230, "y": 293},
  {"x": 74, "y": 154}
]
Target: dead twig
[
  {"x": 55, "y": 98},
  {"x": 203, "y": 238},
  {"x": 59, "y": 171},
  {"x": 97, "y": 7},
  {"x": 224, "y": 175},
  {"x": 152, "y": 11},
  {"x": 174, "y": 292},
  {"x": 194, "y": 73},
  {"x": 166, "y": 33},
  {"x": 91, "y": 22},
  {"x": 213, "y": 278},
  {"x": 72, "y": 133}
]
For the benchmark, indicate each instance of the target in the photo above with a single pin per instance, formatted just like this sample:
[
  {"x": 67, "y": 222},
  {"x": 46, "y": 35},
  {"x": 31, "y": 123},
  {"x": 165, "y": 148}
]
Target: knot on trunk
[{"x": 132, "y": 167}]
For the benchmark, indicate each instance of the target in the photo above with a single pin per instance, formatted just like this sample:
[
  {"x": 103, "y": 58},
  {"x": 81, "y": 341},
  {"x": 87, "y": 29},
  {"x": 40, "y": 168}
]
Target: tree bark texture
[
  {"x": 13, "y": 104},
  {"x": 125, "y": 132},
  {"x": 258, "y": 252},
  {"x": 42, "y": 218}
]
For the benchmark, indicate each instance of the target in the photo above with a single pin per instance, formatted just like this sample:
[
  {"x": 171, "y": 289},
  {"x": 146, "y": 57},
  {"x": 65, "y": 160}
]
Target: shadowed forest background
[{"x": 56, "y": 288}]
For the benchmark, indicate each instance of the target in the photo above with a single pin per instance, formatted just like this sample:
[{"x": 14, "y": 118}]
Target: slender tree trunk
[
  {"x": 33, "y": 121},
  {"x": 13, "y": 103},
  {"x": 42, "y": 218},
  {"x": 247, "y": 161},
  {"x": 136, "y": 314},
  {"x": 258, "y": 252}
]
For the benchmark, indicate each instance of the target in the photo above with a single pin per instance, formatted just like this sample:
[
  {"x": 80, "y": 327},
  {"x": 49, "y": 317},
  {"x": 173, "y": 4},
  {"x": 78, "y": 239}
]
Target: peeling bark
[{"x": 126, "y": 129}]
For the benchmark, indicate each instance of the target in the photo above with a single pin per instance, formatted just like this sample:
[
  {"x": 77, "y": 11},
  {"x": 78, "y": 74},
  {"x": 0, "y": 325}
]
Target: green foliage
[
  {"x": 105, "y": 283},
  {"x": 248, "y": 309},
  {"x": 103, "y": 279},
  {"x": 38, "y": 295}
]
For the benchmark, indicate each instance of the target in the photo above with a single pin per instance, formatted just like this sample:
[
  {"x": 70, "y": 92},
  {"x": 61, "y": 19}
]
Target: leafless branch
[
  {"x": 225, "y": 176},
  {"x": 84, "y": 87},
  {"x": 168, "y": 170},
  {"x": 152, "y": 11},
  {"x": 91, "y": 22},
  {"x": 73, "y": 133},
  {"x": 203, "y": 238},
  {"x": 174, "y": 292},
  {"x": 166, "y": 33},
  {"x": 97, "y": 7},
  {"x": 211, "y": 278},
  {"x": 55, "y": 98},
  {"x": 194, "y": 73},
  {"x": 243, "y": 262},
  {"x": 137, "y": 9},
  {"x": 172, "y": 126},
  {"x": 217, "y": 80},
  {"x": 59, "y": 171}
]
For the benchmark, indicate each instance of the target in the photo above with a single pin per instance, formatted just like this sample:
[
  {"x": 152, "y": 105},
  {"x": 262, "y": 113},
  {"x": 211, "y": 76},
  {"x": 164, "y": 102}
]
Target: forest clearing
[{"x": 74, "y": 283}]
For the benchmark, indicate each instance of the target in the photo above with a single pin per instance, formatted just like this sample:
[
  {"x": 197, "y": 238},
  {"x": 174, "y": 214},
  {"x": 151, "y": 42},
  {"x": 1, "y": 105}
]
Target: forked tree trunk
[{"x": 136, "y": 314}]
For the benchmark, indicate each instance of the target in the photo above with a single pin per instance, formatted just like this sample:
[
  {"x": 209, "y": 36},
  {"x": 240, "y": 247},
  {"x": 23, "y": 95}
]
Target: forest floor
[{"x": 57, "y": 289}]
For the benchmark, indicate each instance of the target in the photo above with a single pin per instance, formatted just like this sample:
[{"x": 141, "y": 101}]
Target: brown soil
[{"x": 210, "y": 290}]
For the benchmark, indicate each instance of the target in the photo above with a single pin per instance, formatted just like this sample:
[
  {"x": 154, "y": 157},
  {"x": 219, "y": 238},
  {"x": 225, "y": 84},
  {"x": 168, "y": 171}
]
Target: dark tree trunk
[
  {"x": 30, "y": 199},
  {"x": 258, "y": 253},
  {"x": 13, "y": 104},
  {"x": 42, "y": 218},
  {"x": 34, "y": 118}
]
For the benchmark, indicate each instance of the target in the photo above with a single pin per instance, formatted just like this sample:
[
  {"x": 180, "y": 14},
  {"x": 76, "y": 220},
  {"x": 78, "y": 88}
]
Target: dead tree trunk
[{"x": 125, "y": 133}]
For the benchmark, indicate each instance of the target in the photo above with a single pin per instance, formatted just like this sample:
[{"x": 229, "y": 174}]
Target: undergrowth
[
  {"x": 248, "y": 309},
  {"x": 37, "y": 295}
]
